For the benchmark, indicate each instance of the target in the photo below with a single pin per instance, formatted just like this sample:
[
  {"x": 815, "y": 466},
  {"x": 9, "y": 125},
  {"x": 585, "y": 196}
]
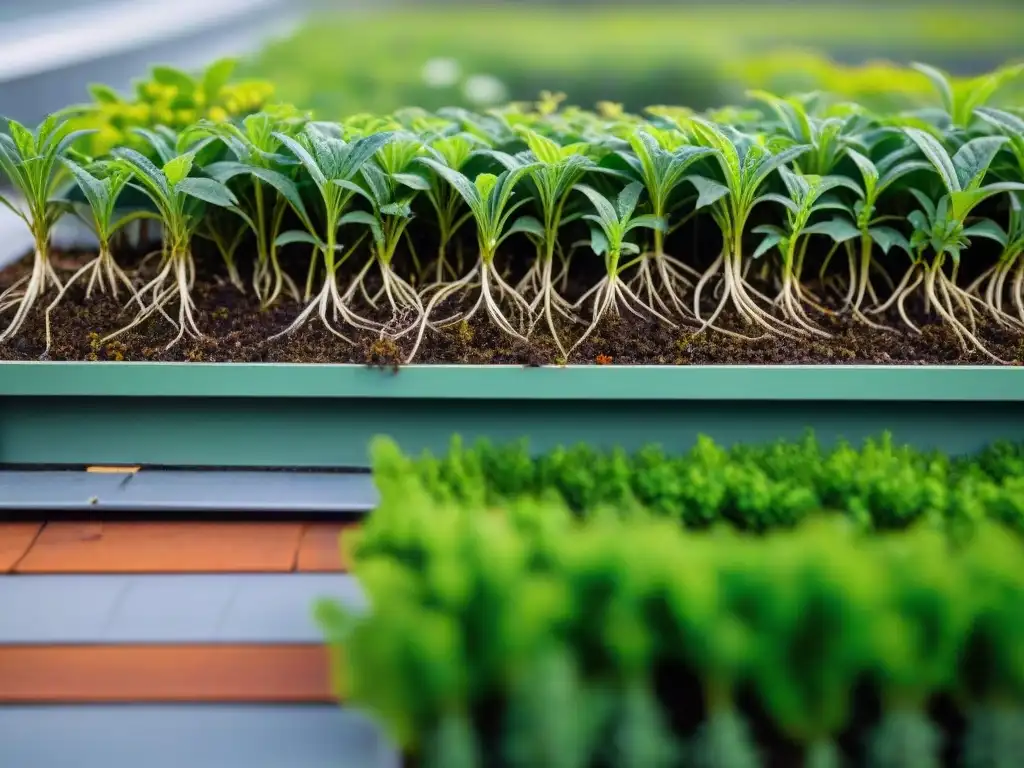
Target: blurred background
[{"x": 339, "y": 57}]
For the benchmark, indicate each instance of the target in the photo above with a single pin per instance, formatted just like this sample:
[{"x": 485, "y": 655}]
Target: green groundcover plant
[
  {"x": 548, "y": 220},
  {"x": 515, "y": 635},
  {"x": 878, "y": 486}
]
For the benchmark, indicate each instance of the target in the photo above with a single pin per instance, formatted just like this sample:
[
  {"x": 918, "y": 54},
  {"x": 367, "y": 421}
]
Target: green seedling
[
  {"x": 489, "y": 198},
  {"x": 332, "y": 164},
  {"x": 662, "y": 170},
  {"x": 808, "y": 196},
  {"x": 102, "y": 192},
  {"x": 181, "y": 201},
  {"x": 259, "y": 160},
  {"x": 608, "y": 240},
  {"x": 745, "y": 167},
  {"x": 31, "y": 161},
  {"x": 942, "y": 228}
]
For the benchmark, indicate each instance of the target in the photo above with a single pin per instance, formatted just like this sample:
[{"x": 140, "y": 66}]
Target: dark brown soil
[{"x": 237, "y": 331}]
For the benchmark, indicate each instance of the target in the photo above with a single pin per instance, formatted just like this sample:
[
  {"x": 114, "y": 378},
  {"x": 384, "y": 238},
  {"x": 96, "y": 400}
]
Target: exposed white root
[
  {"x": 103, "y": 272},
  {"x": 173, "y": 283},
  {"x": 611, "y": 296},
  {"x": 24, "y": 294}
]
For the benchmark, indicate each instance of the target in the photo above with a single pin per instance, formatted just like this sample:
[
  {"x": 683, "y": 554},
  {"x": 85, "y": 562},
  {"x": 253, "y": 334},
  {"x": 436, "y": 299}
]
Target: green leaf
[
  {"x": 217, "y": 76},
  {"x": 605, "y": 210},
  {"x": 297, "y": 236},
  {"x": 626, "y": 202},
  {"x": 598, "y": 241},
  {"x": 766, "y": 245},
  {"x": 207, "y": 190},
  {"x": 840, "y": 230},
  {"x": 887, "y": 238},
  {"x": 304, "y": 157},
  {"x": 178, "y": 169},
  {"x": 966, "y": 201},
  {"x": 1005, "y": 121},
  {"x": 709, "y": 192},
  {"x": 987, "y": 229},
  {"x": 937, "y": 156},
  {"x": 23, "y": 139},
  {"x": 174, "y": 77},
  {"x": 647, "y": 221},
  {"x": 868, "y": 170},
  {"x": 772, "y": 197},
  {"x": 412, "y": 181},
  {"x": 940, "y": 81},
  {"x": 527, "y": 224},
  {"x": 466, "y": 189},
  {"x": 367, "y": 219},
  {"x": 973, "y": 159},
  {"x": 104, "y": 94},
  {"x": 286, "y": 188}
]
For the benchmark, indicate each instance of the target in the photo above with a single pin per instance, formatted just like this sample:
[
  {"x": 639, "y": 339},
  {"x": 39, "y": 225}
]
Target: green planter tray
[{"x": 323, "y": 416}]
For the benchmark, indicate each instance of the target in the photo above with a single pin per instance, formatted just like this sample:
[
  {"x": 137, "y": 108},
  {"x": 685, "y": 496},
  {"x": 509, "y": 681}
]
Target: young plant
[
  {"x": 745, "y": 167},
  {"x": 555, "y": 172},
  {"x": 608, "y": 240},
  {"x": 827, "y": 139},
  {"x": 662, "y": 171},
  {"x": 942, "y": 228},
  {"x": 877, "y": 178},
  {"x": 389, "y": 195},
  {"x": 807, "y": 197},
  {"x": 31, "y": 160},
  {"x": 102, "y": 191},
  {"x": 1011, "y": 242},
  {"x": 258, "y": 160},
  {"x": 181, "y": 201},
  {"x": 489, "y": 198},
  {"x": 449, "y": 207},
  {"x": 332, "y": 164},
  {"x": 960, "y": 99}
]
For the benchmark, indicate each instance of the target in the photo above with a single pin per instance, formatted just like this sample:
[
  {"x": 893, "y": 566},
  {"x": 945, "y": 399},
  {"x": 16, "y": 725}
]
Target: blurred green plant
[
  {"x": 698, "y": 55},
  {"x": 513, "y": 636}
]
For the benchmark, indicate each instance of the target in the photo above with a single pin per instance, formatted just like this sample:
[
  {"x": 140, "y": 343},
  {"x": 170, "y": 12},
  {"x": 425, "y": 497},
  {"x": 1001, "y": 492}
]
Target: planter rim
[{"x": 510, "y": 382}]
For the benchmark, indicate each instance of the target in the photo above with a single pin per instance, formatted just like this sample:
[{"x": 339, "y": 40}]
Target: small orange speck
[{"x": 603, "y": 360}]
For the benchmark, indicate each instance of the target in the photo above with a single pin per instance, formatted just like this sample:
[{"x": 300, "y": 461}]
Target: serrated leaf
[
  {"x": 207, "y": 190},
  {"x": 304, "y": 157},
  {"x": 840, "y": 230}
]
